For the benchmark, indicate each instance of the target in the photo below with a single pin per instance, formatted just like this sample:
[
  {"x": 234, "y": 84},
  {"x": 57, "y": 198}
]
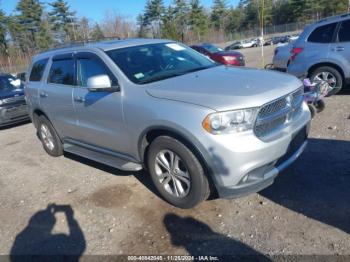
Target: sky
[{"x": 96, "y": 9}]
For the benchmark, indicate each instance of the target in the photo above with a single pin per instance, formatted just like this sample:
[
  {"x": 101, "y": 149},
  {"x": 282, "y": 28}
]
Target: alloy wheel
[{"x": 172, "y": 173}]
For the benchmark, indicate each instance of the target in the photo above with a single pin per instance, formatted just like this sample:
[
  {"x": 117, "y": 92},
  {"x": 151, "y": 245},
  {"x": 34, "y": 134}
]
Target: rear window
[
  {"x": 344, "y": 32},
  {"x": 62, "y": 72},
  {"x": 323, "y": 34},
  {"x": 38, "y": 70}
]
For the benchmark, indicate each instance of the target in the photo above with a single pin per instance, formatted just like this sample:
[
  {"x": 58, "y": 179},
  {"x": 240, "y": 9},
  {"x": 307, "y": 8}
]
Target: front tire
[
  {"x": 177, "y": 173},
  {"x": 49, "y": 138}
]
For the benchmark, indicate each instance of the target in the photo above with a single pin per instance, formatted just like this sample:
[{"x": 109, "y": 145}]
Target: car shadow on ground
[
  {"x": 37, "y": 238},
  {"x": 317, "y": 185},
  {"x": 199, "y": 239}
]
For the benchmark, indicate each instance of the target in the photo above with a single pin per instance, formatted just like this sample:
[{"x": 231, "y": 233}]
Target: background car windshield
[
  {"x": 154, "y": 62},
  {"x": 9, "y": 83},
  {"x": 212, "y": 48}
]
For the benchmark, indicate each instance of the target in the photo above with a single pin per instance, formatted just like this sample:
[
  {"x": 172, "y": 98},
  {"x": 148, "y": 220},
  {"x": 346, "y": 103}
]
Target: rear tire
[
  {"x": 330, "y": 73},
  {"x": 177, "y": 173},
  {"x": 49, "y": 138}
]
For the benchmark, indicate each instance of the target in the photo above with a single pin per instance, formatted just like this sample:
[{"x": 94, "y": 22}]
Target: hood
[
  {"x": 225, "y": 88},
  {"x": 11, "y": 93}
]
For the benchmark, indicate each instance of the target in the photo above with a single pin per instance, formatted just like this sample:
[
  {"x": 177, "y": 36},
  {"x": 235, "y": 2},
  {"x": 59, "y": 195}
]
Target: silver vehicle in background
[
  {"x": 281, "y": 57},
  {"x": 322, "y": 52},
  {"x": 198, "y": 127}
]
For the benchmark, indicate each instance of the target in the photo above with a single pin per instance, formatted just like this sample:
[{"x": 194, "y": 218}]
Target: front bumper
[
  {"x": 242, "y": 163},
  {"x": 12, "y": 114}
]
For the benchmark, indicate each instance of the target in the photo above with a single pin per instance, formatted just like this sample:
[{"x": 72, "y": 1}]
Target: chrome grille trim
[
  {"x": 12, "y": 99},
  {"x": 278, "y": 112}
]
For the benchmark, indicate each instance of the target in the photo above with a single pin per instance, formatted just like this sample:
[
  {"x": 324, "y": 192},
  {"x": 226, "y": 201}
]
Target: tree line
[
  {"x": 35, "y": 26},
  {"x": 189, "y": 20}
]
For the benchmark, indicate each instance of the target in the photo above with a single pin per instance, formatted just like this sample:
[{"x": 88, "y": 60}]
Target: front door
[{"x": 99, "y": 114}]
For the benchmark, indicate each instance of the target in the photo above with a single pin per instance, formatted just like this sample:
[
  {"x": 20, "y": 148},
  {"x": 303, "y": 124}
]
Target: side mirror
[{"x": 100, "y": 83}]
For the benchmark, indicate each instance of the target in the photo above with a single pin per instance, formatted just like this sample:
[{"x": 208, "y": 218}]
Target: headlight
[
  {"x": 229, "y": 58},
  {"x": 230, "y": 121},
  {"x": 1, "y": 102}
]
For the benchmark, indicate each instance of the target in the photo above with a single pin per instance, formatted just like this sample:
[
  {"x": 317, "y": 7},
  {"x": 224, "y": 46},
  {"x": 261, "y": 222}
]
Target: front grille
[{"x": 277, "y": 113}]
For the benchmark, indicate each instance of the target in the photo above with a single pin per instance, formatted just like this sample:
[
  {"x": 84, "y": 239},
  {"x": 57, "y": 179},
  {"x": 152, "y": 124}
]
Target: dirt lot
[{"x": 100, "y": 210}]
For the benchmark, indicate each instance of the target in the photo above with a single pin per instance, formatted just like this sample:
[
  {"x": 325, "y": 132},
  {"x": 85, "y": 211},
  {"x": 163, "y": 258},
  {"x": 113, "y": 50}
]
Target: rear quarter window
[
  {"x": 38, "y": 70},
  {"x": 344, "y": 32},
  {"x": 323, "y": 34}
]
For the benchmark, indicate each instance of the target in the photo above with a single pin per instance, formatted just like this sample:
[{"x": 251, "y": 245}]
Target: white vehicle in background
[{"x": 249, "y": 43}]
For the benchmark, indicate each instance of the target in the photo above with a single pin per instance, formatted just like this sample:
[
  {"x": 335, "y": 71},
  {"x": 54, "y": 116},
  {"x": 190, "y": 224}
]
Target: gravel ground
[{"x": 73, "y": 206}]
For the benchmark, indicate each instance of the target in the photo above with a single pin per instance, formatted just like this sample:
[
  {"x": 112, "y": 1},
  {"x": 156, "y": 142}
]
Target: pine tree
[
  {"x": 96, "y": 32},
  {"x": 218, "y": 13},
  {"x": 198, "y": 19},
  {"x": 63, "y": 22},
  {"x": 27, "y": 24},
  {"x": 153, "y": 15},
  {"x": 180, "y": 12},
  {"x": 3, "y": 29}
]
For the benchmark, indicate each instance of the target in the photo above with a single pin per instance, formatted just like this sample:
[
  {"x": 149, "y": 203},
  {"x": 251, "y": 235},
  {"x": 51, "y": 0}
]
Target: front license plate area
[{"x": 297, "y": 141}]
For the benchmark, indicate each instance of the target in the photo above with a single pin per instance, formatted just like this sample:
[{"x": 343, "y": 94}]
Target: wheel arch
[
  {"x": 36, "y": 114},
  {"x": 335, "y": 66},
  {"x": 152, "y": 133}
]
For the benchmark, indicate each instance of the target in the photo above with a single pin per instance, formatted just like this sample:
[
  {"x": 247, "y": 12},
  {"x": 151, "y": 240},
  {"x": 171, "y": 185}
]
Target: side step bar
[{"x": 101, "y": 155}]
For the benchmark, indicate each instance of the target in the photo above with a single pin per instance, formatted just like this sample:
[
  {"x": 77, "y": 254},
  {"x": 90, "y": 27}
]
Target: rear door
[
  {"x": 99, "y": 114},
  {"x": 56, "y": 95},
  {"x": 341, "y": 47},
  {"x": 319, "y": 42}
]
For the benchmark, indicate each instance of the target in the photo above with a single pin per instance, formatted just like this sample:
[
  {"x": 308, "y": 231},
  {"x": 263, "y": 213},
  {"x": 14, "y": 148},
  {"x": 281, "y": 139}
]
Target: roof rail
[
  {"x": 78, "y": 43},
  {"x": 333, "y": 17}
]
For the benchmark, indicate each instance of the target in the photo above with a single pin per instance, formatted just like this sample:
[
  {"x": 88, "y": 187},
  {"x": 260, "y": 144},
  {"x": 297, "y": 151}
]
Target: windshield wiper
[{"x": 162, "y": 77}]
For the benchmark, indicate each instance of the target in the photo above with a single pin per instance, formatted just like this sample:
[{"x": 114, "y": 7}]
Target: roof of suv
[
  {"x": 103, "y": 45},
  {"x": 332, "y": 19}
]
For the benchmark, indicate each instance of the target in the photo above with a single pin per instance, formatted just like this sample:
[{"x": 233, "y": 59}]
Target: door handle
[
  {"x": 79, "y": 99},
  {"x": 43, "y": 94},
  {"x": 338, "y": 49}
]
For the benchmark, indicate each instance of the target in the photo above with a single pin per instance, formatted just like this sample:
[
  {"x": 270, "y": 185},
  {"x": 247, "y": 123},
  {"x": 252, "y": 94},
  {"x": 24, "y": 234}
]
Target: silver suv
[
  {"x": 197, "y": 126},
  {"x": 322, "y": 52}
]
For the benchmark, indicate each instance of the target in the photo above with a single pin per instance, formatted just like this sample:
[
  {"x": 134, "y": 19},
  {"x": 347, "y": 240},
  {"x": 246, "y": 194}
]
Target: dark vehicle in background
[
  {"x": 13, "y": 108},
  {"x": 234, "y": 46},
  {"x": 233, "y": 58},
  {"x": 280, "y": 39},
  {"x": 21, "y": 76},
  {"x": 268, "y": 41}
]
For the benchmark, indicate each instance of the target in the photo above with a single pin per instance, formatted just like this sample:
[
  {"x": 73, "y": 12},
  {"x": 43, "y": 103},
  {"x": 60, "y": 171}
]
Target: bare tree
[{"x": 118, "y": 26}]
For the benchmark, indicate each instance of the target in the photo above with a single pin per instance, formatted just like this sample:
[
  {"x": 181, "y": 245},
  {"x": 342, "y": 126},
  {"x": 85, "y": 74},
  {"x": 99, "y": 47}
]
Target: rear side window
[
  {"x": 323, "y": 34},
  {"x": 62, "y": 72},
  {"x": 344, "y": 32},
  {"x": 38, "y": 70}
]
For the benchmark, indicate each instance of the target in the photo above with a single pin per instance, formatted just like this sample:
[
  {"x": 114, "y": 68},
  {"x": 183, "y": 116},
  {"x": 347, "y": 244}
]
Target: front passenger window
[{"x": 89, "y": 67}]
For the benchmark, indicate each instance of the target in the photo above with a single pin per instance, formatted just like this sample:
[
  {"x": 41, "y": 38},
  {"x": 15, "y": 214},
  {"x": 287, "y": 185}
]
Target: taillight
[{"x": 295, "y": 51}]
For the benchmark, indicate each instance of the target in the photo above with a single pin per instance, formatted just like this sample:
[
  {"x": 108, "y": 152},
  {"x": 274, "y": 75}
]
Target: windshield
[
  {"x": 212, "y": 48},
  {"x": 154, "y": 62},
  {"x": 8, "y": 83}
]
